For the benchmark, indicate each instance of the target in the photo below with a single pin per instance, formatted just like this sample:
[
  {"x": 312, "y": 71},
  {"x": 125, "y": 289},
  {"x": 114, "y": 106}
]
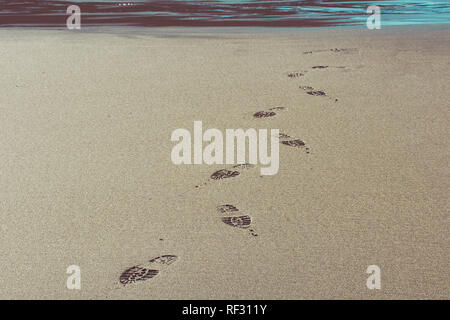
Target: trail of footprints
[
  {"x": 285, "y": 139},
  {"x": 311, "y": 90},
  {"x": 231, "y": 211},
  {"x": 236, "y": 170},
  {"x": 230, "y": 214}
]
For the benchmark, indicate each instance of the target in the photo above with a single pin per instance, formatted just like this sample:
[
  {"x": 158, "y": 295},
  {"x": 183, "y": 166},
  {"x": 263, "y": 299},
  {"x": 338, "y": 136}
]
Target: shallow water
[{"x": 288, "y": 13}]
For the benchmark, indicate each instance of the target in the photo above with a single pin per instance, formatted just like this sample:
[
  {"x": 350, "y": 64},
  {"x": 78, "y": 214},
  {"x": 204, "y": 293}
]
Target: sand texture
[{"x": 86, "y": 176}]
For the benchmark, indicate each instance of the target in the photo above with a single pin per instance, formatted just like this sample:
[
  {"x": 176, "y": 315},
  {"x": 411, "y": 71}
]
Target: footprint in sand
[
  {"x": 268, "y": 113},
  {"x": 284, "y": 139},
  {"x": 298, "y": 74},
  {"x": 314, "y": 92},
  {"x": 231, "y": 217},
  {"x": 327, "y": 67},
  {"x": 224, "y": 174},
  {"x": 289, "y": 141},
  {"x": 227, "y": 173},
  {"x": 146, "y": 270}
]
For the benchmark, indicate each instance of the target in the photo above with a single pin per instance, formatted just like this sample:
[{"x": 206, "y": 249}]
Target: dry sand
[{"x": 87, "y": 179}]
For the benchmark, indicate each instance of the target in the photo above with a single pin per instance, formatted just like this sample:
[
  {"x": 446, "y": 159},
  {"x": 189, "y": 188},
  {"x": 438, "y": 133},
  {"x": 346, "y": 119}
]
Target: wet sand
[{"x": 87, "y": 178}]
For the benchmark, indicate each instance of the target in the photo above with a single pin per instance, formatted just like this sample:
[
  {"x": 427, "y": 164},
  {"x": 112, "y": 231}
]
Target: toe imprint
[
  {"x": 226, "y": 208},
  {"x": 243, "y": 166},
  {"x": 283, "y": 136},
  {"x": 224, "y": 174}
]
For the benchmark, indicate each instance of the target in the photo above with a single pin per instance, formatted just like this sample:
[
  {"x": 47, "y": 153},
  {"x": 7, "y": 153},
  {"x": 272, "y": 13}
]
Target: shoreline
[
  {"x": 233, "y": 28},
  {"x": 237, "y": 32}
]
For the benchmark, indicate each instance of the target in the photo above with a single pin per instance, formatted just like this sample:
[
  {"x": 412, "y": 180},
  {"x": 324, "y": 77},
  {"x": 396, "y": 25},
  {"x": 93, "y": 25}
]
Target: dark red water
[{"x": 288, "y": 13}]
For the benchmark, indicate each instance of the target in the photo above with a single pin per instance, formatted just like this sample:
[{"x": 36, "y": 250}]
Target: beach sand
[{"x": 87, "y": 179}]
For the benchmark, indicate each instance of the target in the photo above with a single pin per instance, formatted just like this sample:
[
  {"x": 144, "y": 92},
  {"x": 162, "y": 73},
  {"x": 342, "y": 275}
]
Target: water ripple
[{"x": 288, "y": 13}]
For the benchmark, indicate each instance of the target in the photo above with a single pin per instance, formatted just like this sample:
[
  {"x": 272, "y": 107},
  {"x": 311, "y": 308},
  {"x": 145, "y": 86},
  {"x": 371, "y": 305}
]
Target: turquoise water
[{"x": 289, "y": 13}]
